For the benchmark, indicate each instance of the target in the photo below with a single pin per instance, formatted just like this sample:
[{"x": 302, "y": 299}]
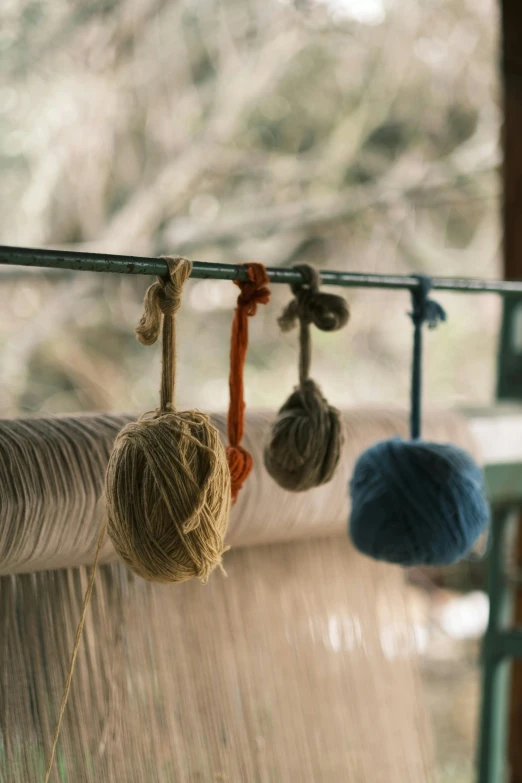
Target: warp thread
[
  {"x": 167, "y": 486},
  {"x": 254, "y": 291},
  {"x": 74, "y": 654},
  {"x": 305, "y": 442},
  {"x": 413, "y": 502}
]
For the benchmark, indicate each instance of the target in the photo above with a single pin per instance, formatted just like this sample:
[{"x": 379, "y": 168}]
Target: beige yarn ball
[
  {"x": 168, "y": 496},
  {"x": 167, "y": 485}
]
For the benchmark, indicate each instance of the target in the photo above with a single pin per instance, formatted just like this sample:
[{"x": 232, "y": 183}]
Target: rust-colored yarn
[
  {"x": 305, "y": 442},
  {"x": 167, "y": 485},
  {"x": 254, "y": 291}
]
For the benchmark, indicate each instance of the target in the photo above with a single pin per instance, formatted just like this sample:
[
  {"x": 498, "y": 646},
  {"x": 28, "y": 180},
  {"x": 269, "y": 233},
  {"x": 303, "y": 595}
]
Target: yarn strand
[
  {"x": 305, "y": 352},
  {"x": 162, "y": 301},
  {"x": 168, "y": 364},
  {"x": 79, "y": 631},
  {"x": 416, "y": 384},
  {"x": 425, "y": 310},
  {"x": 254, "y": 291}
]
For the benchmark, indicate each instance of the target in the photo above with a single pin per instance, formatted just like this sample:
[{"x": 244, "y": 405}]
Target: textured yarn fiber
[
  {"x": 167, "y": 486},
  {"x": 417, "y": 503},
  {"x": 254, "y": 291},
  {"x": 305, "y": 442}
]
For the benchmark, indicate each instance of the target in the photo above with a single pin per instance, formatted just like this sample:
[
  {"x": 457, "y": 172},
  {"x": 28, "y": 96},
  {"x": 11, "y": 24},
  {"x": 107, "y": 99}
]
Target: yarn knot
[
  {"x": 426, "y": 310},
  {"x": 240, "y": 464},
  {"x": 169, "y": 297},
  {"x": 327, "y": 312},
  {"x": 254, "y": 291},
  {"x": 163, "y": 298}
]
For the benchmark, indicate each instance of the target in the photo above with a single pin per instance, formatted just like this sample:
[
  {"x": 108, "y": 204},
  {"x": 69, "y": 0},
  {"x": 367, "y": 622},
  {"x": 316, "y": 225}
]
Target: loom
[{"x": 306, "y": 671}]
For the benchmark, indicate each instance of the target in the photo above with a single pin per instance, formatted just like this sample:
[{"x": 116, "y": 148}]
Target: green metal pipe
[
  {"x": 508, "y": 644},
  {"x": 137, "y": 265},
  {"x": 495, "y": 671}
]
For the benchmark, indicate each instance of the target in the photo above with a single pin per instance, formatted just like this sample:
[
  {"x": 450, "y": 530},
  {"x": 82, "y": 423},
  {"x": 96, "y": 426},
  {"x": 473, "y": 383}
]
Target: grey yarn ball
[{"x": 305, "y": 442}]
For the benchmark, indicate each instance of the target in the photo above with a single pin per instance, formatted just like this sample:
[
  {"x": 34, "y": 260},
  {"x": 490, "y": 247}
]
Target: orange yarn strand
[{"x": 254, "y": 291}]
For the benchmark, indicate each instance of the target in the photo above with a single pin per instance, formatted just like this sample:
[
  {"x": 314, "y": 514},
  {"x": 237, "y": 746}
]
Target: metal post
[{"x": 495, "y": 683}]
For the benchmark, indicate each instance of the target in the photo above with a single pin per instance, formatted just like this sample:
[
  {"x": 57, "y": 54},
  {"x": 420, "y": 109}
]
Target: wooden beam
[
  {"x": 511, "y": 11},
  {"x": 512, "y": 136}
]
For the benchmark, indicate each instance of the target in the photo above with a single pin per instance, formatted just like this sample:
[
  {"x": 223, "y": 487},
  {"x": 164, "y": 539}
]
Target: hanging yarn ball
[
  {"x": 254, "y": 291},
  {"x": 167, "y": 485},
  {"x": 305, "y": 442},
  {"x": 417, "y": 503}
]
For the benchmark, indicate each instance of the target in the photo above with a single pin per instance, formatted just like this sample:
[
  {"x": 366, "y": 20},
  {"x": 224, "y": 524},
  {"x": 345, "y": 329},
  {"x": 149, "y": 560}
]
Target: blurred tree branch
[
  {"x": 229, "y": 131},
  {"x": 308, "y": 214}
]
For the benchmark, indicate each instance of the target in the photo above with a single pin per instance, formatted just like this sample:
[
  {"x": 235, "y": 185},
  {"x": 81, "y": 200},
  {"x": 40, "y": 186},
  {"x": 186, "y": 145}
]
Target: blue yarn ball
[{"x": 417, "y": 503}]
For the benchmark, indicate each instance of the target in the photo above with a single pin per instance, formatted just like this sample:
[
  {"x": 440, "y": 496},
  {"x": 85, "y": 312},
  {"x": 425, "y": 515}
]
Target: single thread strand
[
  {"x": 168, "y": 364},
  {"x": 305, "y": 352},
  {"x": 76, "y": 647},
  {"x": 161, "y": 303},
  {"x": 416, "y": 384}
]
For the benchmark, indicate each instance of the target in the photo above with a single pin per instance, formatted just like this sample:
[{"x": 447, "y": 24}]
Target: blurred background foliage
[{"x": 353, "y": 134}]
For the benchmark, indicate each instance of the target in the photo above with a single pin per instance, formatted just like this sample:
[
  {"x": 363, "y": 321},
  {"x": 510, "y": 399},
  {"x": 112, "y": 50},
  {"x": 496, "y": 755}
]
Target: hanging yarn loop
[
  {"x": 425, "y": 310},
  {"x": 305, "y": 442},
  {"x": 417, "y": 503},
  {"x": 167, "y": 485},
  {"x": 254, "y": 291},
  {"x": 163, "y": 298},
  {"x": 328, "y": 312}
]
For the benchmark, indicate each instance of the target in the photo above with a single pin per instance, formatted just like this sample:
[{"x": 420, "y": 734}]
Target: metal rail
[{"x": 138, "y": 265}]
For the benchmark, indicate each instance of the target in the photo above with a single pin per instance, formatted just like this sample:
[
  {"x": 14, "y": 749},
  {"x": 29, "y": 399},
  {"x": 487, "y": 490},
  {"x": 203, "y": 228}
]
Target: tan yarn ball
[
  {"x": 168, "y": 496},
  {"x": 167, "y": 485}
]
